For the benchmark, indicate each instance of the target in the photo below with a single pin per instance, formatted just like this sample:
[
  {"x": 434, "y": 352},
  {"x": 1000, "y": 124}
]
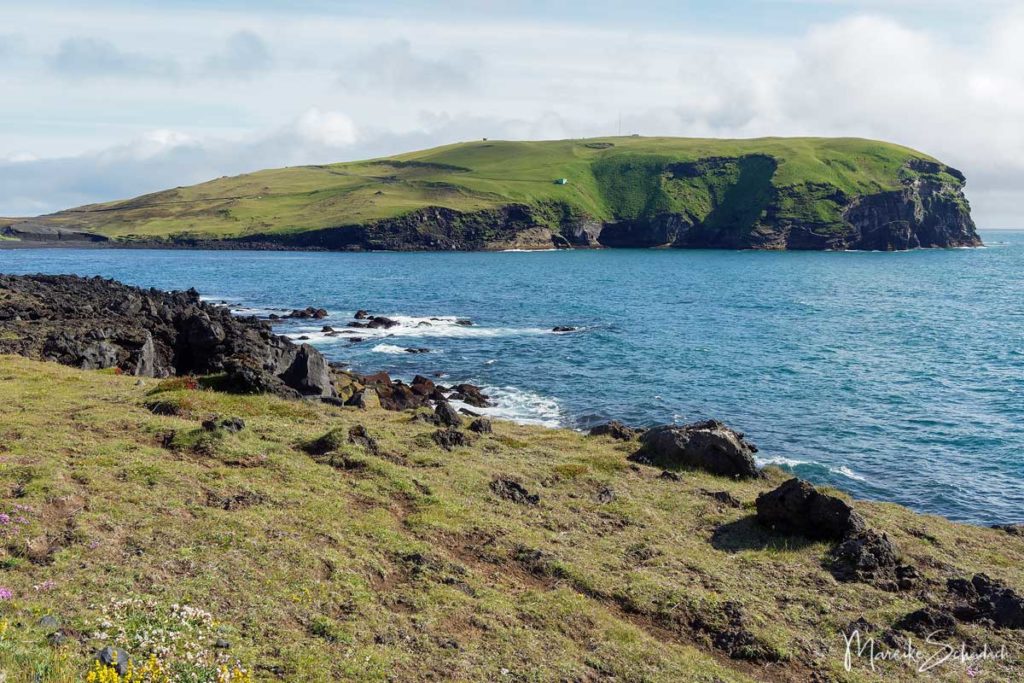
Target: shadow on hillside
[{"x": 747, "y": 534}]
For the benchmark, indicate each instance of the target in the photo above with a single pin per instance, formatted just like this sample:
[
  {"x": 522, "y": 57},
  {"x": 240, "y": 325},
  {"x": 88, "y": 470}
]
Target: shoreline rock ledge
[{"x": 95, "y": 323}]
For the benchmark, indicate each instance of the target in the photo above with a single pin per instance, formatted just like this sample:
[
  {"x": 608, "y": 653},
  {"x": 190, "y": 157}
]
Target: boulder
[
  {"x": 116, "y": 658},
  {"x": 563, "y": 328},
  {"x": 481, "y": 425},
  {"x": 709, "y": 446},
  {"x": 797, "y": 507},
  {"x": 422, "y": 385},
  {"x": 450, "y": 438},
  {"x": 309, "y": 373},
  {"x": 446, "y": 415},
  {"x": 866, "y": 556},
  {"x": 366, "y": 399},
  {"x": 616, "y": 430}
]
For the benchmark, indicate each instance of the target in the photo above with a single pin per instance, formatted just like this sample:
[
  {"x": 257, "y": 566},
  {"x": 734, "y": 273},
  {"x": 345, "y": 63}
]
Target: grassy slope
[
  {"x": 405, "y": 567},
  {"x": 495, "y": 173}
]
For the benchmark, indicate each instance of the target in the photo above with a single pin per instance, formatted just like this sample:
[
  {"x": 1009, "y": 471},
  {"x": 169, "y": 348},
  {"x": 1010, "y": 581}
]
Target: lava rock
[
  {"x": 866, "y": 556},
  {"x": 616, "y": 430},
  {"x": 509, "y": 489},
  {"x": 563, "y": 328},
  {"x": 797, "y": 507},
  {"x": 709, "y": 446},
  {"x": 450, "y": 438},
  {"x": 447, "y": 415},
  {"x": 928, "y": 621},
  {"x": 481, "y": 425}
]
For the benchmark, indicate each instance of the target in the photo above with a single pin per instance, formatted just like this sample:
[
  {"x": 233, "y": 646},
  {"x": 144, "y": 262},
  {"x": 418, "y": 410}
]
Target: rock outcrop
[
  {"x": 709, "y": 446},
  {"x": 797, "y": 507},
  {"x": 93, "y": 323}
]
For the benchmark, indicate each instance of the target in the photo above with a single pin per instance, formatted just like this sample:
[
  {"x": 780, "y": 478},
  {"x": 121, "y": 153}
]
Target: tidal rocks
[
  {"x": 1012, "y": 529},
  {"x": 709, "y": 446},
  {"x": 94, "y": 323},
  {"x": 470, "y": 394},
  {"x": 563, "y": 328},
  {"x": 797, "y": 507},
  {"x": 308, "y": 313},
  {"x": 616, "y": 430},
  {"x": 512, "y": 490}
]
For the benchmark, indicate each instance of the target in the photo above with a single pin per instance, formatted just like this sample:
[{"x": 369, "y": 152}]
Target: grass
[
  {"x": 147, "y": 532},
  {"x": 609, "y": 178}
]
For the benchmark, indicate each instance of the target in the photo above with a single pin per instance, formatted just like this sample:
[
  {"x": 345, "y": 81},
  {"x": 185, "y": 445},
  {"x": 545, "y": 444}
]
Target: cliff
[{"x": 771, "y": 193}]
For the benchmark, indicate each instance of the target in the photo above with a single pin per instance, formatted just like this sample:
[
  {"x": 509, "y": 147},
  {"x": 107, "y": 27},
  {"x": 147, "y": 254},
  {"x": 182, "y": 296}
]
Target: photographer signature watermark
[{"x": 932, "y": 653}]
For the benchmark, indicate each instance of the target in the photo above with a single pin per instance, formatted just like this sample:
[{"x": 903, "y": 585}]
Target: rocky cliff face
[
  {"x": 930, "y": 210},
  {"x": 92, "y": 323},
  {"x": 740, "y": 208}
]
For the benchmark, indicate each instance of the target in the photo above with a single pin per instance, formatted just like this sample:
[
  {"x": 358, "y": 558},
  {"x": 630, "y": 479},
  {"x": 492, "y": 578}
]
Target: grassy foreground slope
[
  {"x": 609, "y": 179},
  {"x": 145, "y": 532}
]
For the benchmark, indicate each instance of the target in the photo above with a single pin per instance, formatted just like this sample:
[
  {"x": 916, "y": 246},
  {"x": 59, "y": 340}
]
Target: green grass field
[
  {"x": 147, "y": 533},
  {"x": 608, "y": 178}
]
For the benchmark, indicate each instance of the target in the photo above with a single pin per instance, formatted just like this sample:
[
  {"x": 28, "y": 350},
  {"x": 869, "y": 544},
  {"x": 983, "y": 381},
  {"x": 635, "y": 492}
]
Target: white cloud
[
  {"x": 83, "y": 57},
  {"x": 395, "y": 67},
  {"x": 244, "y": 55},
  {"x": 326, "y": 127}
]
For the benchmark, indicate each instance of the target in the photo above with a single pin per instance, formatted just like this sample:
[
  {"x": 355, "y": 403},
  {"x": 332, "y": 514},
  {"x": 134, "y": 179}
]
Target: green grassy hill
[
  {"x": 148, "y": 533},
  {"x": 610, "y": 179}
]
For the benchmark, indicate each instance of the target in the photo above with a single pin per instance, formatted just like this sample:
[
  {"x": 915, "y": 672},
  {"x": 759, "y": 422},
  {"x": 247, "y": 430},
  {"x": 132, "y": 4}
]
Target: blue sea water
[{"x": 895, "y": 376}]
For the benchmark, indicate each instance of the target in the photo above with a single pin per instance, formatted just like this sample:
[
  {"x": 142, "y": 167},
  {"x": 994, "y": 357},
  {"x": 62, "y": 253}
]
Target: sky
[{"x": 111, "y": 99}]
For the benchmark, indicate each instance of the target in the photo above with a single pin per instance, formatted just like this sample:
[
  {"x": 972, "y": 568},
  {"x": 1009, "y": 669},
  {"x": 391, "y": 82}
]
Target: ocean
[{"x": 894, "y": 376}]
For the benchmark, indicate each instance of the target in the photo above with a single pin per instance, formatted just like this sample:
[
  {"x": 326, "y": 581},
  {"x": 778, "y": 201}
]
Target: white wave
[
  {"x": 516, "y": 405},
  {"x": 525, "y": 251},
  {"x": 388, "y": 348},
  {"x": 412, "y": 326},
  {"x": 847, "y": 472},
  {"x": 779, "y": 460}
]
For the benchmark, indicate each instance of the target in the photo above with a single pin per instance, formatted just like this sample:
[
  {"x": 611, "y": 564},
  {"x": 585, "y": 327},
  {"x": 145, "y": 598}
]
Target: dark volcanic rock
[
  {"x": 96, "y": 323},
  {"x": 797, "y": 507},
  {"x": 450, "y": 438},
  {"x": 928, "y": 621},
  {"x": 866, "y": 556},
  {"x": 446, "y": 415},
  {"x": 471, "y": 394},
  {"x": 983, "y": 598},
  {"x": 616, "y": 430},
  {"x": 509, "y": 489},
  {"x": 308, "y": 313},
  {"x": 481, "y": 425},
  {"x": 708, "y": 445},
  {"x": 1012, "y": 529}
]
